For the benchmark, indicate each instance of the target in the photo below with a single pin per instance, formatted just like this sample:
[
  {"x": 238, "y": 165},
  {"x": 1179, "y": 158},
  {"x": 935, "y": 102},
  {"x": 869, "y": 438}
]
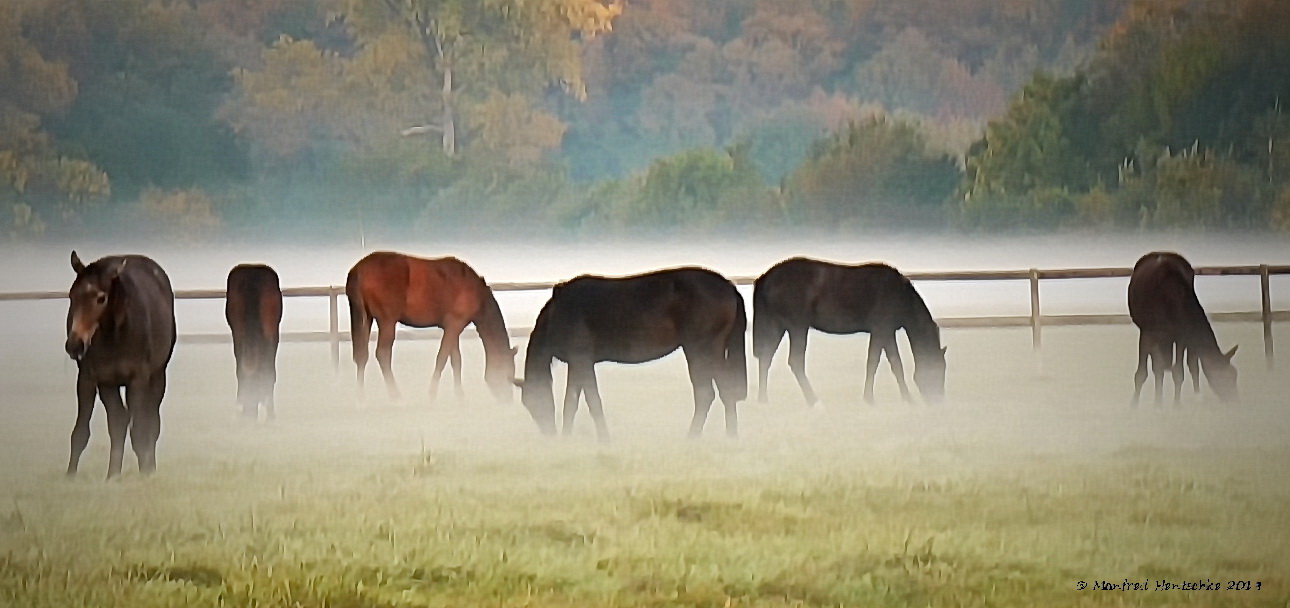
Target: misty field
[{"x": 1033, "y": 478}]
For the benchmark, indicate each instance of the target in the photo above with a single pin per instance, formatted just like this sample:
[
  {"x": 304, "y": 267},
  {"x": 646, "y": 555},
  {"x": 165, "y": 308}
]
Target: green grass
[
  {"x": 585, "y": 526},
  {"x": 1035, "y": 476}
]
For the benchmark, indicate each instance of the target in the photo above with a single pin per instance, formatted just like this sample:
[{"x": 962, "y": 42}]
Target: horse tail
[
  {"x": 766, "y": 330},
  {"x": 735, "y": 387},
  {"x": 360, "y": 324}
]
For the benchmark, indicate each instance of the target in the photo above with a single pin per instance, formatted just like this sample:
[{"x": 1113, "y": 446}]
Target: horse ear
[
  {"x": 115, "y": 270},
  {"x": 77, "y": 264},
  {"x": 1229, "y": 353}
]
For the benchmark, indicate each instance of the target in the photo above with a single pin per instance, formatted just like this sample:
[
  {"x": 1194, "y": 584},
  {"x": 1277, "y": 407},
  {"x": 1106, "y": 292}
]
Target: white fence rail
[{"x": 1036, "y": 320}]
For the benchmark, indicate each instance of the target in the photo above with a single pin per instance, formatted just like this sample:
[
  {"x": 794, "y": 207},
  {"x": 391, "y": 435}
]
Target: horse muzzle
[{"x": 76, "y": 347}]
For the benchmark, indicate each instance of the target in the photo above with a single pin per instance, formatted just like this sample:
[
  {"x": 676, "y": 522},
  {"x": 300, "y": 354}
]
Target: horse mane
[
  {"x": 490, "y": 323},
  {"x": 920, "y": 327}
]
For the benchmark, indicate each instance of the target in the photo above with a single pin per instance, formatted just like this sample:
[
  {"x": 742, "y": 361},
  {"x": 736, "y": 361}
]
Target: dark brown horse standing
[
  {"x": 799, "y": 294},
  {"x": 253, "y": 309},
  {"x": 393, "y": 288},
  {"x": 1171, "y": 320},
  {"x": 636, "y": 319},
  {"x": 121, "y": 333}
]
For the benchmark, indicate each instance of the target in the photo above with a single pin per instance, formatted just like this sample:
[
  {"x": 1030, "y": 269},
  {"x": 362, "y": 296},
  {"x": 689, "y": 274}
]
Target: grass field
[{"x": 1033, "y": 478}]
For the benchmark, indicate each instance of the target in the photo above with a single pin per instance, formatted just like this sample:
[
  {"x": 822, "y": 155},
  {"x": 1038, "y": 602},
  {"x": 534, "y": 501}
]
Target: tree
[
  {"x": 510, "y": 47},
  {"x": 876, "y": 171},
  {"x": 147, "y": 82},
  {"x": 34, "y": 177}
]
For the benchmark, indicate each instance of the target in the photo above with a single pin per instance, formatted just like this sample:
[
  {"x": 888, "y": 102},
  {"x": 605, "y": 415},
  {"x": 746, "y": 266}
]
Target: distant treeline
[{"x": 209, "y": 117}]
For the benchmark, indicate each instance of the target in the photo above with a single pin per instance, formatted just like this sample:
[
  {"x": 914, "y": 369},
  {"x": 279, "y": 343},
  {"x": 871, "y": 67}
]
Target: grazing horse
[
  {"x": 253, "y": 309},
  {"x": 121, "y": 333},
  {"x": 1173, "y": 325},
  {"x": 635, "y": 319},
  {"x": 798, "y": 294},
  {"x": 393, "y": 288}
]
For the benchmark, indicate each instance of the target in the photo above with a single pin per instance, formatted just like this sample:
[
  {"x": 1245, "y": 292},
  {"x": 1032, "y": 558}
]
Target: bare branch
[{"x": 421, "y": 130}]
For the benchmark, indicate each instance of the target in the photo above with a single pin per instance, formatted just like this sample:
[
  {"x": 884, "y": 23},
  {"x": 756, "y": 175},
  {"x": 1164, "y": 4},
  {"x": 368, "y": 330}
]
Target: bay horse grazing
[
  {"x": 635, "y": 319},
  {"x": 799, "y": 294},
  {"x": 392, "y": 288},
  {"x": 253, "y": 309},
  {"x": 1172, "y": 325},
  {"x": 121, "y": 333}
]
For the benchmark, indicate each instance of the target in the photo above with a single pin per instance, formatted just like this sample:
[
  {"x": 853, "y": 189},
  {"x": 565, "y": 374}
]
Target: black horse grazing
[
  {"x": 1173, "y": 325},
  {"x": 121, "y": 333},
  {"x": 632, "y": 320},
  {"x": 253, "y": 309},
  {"x": 798, "y": 294}
]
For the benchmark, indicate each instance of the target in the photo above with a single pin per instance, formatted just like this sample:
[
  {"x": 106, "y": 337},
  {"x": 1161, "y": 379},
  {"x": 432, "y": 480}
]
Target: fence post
[
  {"x": 1035, "y": 322},
  {"x": 333, "y": 294},
  {"x": 1267, "y": 314}
]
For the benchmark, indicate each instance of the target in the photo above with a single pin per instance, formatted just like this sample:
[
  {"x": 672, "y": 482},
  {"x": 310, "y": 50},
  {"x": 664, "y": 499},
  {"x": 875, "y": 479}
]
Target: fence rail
[{"x": 1036, "y": 320}]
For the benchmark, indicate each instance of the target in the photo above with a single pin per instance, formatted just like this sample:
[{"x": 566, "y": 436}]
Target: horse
[
  {"x": 1172, "y": 325},
  {"x": 635, "y": 319},
  {"x": 253, "y": 309},
  {"x": 121, "y": 333},
  {"x": 799, "y": 294},
  {"x": 392, "y": 288}
]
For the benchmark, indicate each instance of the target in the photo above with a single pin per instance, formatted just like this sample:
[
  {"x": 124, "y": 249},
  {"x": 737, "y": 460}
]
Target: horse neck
[
  {"x": 923, "y": 332},
  {"x": 1201, "y": 339},
  {"x": 491, "y": 326},
  {"x": 537, "y": 360}
]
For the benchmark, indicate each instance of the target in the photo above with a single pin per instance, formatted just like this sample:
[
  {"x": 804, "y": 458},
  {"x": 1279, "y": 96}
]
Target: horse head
[
  {"x": 499, "y": 374},
  {"x": 90, "y": 298},
  {"x": 536, "y": 395},
  {"x": 929, "y": 374},
  {"x": 1222, "y": 375}
]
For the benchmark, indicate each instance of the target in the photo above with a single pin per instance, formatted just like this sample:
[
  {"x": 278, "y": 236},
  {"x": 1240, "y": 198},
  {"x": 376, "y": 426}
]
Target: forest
[{"x": 206, "y": 118}]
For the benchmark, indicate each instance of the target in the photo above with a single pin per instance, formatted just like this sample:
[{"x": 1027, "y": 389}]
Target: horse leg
[
  {"x": 702, "y": 374},
  {"x": 892, "y": 348},
  {"x": 362, "y": 336},
  {"x": 454, "y": 358},
  {"x": 797, "y": 362},
  {"x": 587, "y": 380},
  {"x": 763, "y": 373},
  {"x": 384, "y": 351},
  {"x": 573, "y": 385},
  {"x": 763, "y": 366},
  {"x": 1178, "y": 368},
  {"x": 1161, "y": 359},
  {"x": 156, "y": 392},
  {"x": 143, "y": 398},
  {"x": 118, "y": 420},
  {"x": 1193, "y": 364},
  {"x": 86, "y": 390},
  {"x": 1140, "y": 376},
  {"x": 871, "y": 366},
  {"x": 440, "y": 360},
  {"x": 270, "y": 378}
]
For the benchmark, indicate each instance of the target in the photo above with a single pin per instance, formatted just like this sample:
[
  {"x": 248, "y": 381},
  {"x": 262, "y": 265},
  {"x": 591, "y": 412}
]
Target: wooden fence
[{"x": 1036, "y": 320}]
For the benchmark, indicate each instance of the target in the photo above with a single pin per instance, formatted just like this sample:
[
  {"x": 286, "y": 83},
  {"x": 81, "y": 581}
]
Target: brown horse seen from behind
[
  {"x": 121, "y": 333},
  {"x": 1173, "y": 325},
  {"x": 391, "y": 288},
  {"x": 253, "y": 309}
]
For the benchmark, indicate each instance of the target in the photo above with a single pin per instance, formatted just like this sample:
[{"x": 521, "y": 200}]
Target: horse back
[
  {"x": 1162, "y": 295},
  {"x": 253, "y": 304},
  {"x": 640, "y": 317},
  {"x": 832, "y": 297},
  {"x": 416, "y": 291}
]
